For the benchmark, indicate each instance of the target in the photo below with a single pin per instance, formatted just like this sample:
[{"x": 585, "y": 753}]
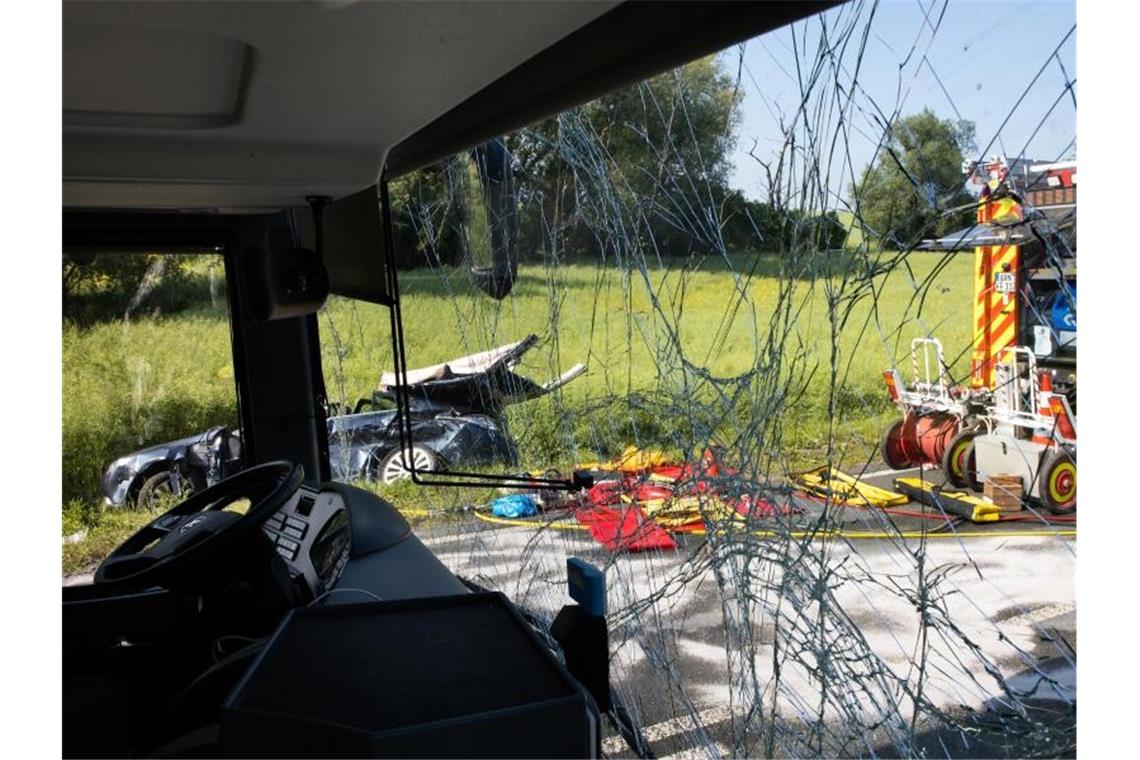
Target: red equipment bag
[{"x": 626, "y": 528}]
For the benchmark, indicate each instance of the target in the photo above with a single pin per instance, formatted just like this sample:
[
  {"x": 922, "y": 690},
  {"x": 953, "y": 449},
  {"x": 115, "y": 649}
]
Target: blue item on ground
[{"x": 515, "y": 505}]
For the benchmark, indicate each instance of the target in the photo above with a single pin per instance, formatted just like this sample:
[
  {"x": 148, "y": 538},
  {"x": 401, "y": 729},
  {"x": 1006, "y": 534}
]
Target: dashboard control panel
[{"x": 313, "y": 535}]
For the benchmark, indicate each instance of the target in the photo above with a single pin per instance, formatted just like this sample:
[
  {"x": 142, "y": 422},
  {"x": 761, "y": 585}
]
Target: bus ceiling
[{"x": 262, "y": 127}]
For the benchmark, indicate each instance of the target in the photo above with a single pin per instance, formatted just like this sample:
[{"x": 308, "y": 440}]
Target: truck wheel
[
  {"x": 959, "y": 462},
  {"x": 394, "y": 465},
  {"x": 891, "y": 448},
  {"x": 1058, "y": 487}
]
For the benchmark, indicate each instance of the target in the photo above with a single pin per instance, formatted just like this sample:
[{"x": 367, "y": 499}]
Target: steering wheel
[{"x": 198, "y": 527}]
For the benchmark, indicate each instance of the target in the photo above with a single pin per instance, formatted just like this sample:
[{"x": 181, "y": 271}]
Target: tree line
[{"x": 667, "y": 145}]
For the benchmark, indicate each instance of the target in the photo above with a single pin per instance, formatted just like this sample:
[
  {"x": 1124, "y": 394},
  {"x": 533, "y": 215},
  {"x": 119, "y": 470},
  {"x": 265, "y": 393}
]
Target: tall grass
[
  {"x": 163, "y": 376},
  {"x": 129, "y": 385},
  {"x": 592, "y": 316}
]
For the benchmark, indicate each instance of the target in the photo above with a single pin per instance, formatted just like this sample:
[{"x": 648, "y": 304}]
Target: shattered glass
[{"x": 752, "y": 611}]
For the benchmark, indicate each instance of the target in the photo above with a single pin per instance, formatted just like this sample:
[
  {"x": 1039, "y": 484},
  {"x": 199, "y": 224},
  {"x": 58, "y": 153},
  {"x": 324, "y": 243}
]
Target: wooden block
[
  {"x": 1005, "y": 491},
  {"x": 1006, "y": 480}
]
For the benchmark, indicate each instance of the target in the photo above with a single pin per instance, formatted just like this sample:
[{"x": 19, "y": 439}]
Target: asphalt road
[
  {"x": 1009, "y": 599},
  {"x": 681, "y": 673}
]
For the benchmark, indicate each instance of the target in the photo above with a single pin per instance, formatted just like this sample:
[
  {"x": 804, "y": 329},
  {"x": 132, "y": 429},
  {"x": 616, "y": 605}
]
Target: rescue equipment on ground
[
  {"x": 934, "y": 411},
  {"x": 952, "y": 501},
  {"x": 1005, "y": 492},
  {"x": 625, "y": 528},
  {"x": 632, "y": 459},
  {"x": 515, "y": 505},
  {"x": 1030, "y": 431},
  {"x": 830, "y": 483},
  {"x": 1015, "y": 416}
]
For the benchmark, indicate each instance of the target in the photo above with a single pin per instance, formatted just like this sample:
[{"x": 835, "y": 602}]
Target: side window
[{"x": 149, "y": 401}]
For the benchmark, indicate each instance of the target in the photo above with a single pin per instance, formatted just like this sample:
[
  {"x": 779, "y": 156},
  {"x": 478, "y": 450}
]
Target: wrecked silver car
[{"x": 455, "y": 421}]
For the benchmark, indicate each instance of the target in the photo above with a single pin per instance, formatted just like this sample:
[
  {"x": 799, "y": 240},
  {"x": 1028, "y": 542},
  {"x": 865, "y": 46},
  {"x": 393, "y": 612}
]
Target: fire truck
[{"x": 1015, "y": 413}]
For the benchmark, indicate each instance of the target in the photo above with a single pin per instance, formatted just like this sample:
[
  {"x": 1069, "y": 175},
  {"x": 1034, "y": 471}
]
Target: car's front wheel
[
  {"x": 395, "y": 464},
  {"x": 159, "y": 490}
]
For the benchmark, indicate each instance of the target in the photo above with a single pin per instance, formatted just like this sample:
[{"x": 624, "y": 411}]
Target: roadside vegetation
[
  {"x": 146, "y": 341},
  {"x": 160, "y": 375},
  {"x": 444, "y": 317}
]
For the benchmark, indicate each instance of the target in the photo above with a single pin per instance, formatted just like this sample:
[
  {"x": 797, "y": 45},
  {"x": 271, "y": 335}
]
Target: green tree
[
  {"x": 916, "y": 182},
  {"x": 120, "y": 285},
  {"x": 678, "y": 125},
  {"x": 667, "y": 145}
]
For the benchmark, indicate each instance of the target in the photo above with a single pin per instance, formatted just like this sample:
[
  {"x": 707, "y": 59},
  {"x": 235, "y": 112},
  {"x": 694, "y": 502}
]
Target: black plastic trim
[{"x": 134, "y": 231}]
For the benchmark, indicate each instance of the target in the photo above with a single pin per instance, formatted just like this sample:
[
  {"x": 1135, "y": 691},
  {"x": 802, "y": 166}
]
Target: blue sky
[{"x": 984, "y": 52}]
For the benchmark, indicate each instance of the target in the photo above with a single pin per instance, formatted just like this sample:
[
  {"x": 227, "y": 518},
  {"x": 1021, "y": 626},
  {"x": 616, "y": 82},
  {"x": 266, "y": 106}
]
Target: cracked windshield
[{"x": 792, "y": 328}]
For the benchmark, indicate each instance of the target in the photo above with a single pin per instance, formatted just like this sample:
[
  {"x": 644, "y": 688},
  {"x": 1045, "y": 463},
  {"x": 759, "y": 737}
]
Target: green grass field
[{"x": 159, "y": 377}]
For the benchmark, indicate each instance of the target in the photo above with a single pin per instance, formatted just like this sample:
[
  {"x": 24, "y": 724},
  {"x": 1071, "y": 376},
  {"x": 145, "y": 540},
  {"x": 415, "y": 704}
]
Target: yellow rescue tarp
[
  {"x": 632, "y": 459},
  {"x": 686, "y": 510}
]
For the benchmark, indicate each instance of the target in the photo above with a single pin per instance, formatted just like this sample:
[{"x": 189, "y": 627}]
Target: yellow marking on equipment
[
  {"x": 995, "y": 311},
  {"x": 846, "y": 490},
  {"x": 980, "y": 510},
  {"x": 632, "y": 459},
  {"x": 1055, "y": 476},
  {"x": 686, "y": 510}
]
